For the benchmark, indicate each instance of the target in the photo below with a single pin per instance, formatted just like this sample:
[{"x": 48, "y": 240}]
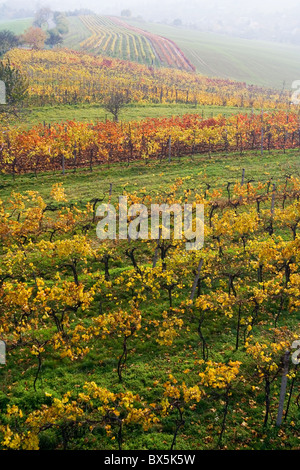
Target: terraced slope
[{"x": 113, "y": 37}]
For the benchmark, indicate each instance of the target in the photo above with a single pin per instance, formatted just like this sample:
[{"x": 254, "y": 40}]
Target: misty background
[{"x": 271, "y": 20}]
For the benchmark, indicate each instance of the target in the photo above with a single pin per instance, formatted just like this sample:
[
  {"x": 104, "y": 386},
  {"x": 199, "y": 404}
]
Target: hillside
[
  {"x": 113, "y": 37},
  {"x": 214, "y": 55},
  {"x": 69, "y": 77},
  {"x": 17, "y": 26},
  {"x": 255, "y": 62}
]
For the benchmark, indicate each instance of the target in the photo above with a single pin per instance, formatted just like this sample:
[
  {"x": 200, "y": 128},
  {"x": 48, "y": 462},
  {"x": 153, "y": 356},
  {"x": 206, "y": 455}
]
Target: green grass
[
  {"x": 254, "y": 62},
  {"x": 16, "y": 26},
  {"x": 84, "y": 185},
  {"x": 134, "y": 112}
]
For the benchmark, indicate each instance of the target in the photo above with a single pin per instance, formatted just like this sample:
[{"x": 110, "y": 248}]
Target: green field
[
  {"x": 84, "y": 185},
  {"x": 16, "y": 26},
  {"x": 254, "y": 62},
  {"x": 94, "y": 113}
]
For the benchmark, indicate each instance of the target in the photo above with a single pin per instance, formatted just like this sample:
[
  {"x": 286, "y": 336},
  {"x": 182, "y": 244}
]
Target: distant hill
[
  {"x": 16, "y": 26},
  {"x": 114, "y": 37},
  {"x": 255, "y": 62}
]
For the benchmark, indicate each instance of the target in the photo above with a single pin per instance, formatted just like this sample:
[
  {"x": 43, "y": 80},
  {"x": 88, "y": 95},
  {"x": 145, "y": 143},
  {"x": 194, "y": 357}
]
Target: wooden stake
[
  {"x": 196, "y": 280},
  {"x": 283, "y": 387}
]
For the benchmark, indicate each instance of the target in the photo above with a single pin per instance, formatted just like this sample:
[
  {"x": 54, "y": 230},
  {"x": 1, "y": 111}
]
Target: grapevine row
[
  {"x": 65, "y": 77},
  {"x": 106, "y": 35},
  {"x": 73, "y": 144}
]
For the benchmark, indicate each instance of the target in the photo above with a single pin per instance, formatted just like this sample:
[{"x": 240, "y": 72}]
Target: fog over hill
[{"x": 272, "y": 20}]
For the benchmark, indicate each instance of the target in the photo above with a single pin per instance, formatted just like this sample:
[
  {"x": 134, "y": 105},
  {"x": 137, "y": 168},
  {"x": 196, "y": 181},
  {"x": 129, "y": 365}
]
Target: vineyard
[
  {"x": 112, "y": 37},
  {"x": 72, "y": 145},
  {"x": 146, "y": 345},
  {"x": 136, "y": 342},
  {"x": 69, "y": 77}
]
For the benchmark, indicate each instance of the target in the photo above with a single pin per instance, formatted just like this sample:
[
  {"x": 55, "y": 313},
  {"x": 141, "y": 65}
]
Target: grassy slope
[
  {"x": 16, "y": 26},
  {"x": 219, "y": 169},
  {"x": 94, "y": 113},
  {"x": 256, "y": 62}
]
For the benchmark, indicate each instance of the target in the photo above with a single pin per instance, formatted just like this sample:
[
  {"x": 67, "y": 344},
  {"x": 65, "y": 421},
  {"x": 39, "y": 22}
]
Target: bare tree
[{"x": 115, "y": 102}]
